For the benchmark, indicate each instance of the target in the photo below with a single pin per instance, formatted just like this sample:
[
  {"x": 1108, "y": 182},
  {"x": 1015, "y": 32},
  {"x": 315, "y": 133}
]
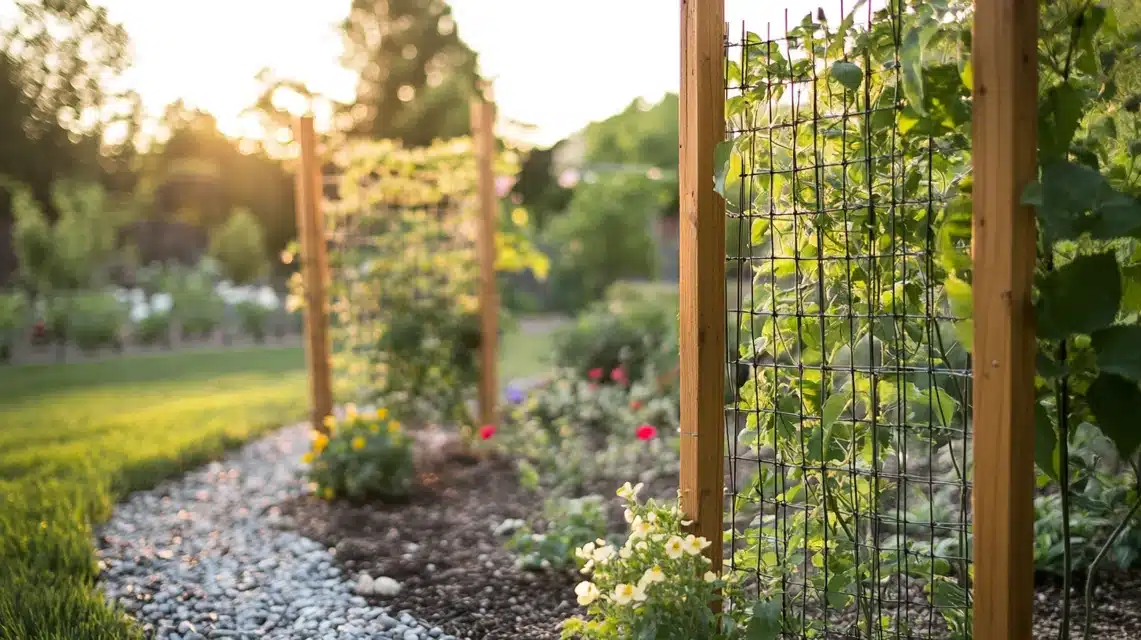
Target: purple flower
[{"x": 515, "y": 395}]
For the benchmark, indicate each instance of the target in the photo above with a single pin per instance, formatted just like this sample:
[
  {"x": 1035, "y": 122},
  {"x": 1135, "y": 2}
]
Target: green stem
[{"x": 1101, "y": 554}]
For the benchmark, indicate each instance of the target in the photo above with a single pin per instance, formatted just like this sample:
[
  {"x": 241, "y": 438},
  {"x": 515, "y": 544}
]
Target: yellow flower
[
  {"x": 327, "y": 492},
  {"x": 320, "y": 440},
  {"x": 652, "y": 575},
  {"x": 381, "y": 413},
  {"x": 330, "y": 422},
  {"x": 627, "y": 593},
  {"x": 640, "y": 528},
  {"x": 693, "y": 545},
  {"x": 394, "y": 427},
  {"x": 519, "y": 216},
  {"x": 351, "y": 410},
  {"x": 587, "y": 592},
  {"x": 675, "y": 547},
  {"x": 358, "y": 443},
  {"x": 374, "y": 428},
  {"x": 307, "y": 458}
]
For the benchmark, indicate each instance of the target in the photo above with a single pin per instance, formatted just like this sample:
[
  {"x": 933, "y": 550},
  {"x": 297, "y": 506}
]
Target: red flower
[
  {"x": 595, "y": 374},
  {"x": 486, "y": 431},
  {"x": 618, "y": 375},
  {"x": 646, "y": 432},
  {"x": 635, "y": 405}
]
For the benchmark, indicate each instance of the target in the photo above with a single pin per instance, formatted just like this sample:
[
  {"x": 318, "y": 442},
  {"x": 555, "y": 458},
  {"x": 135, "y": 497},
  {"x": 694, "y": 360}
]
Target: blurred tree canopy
[
  {"x": 416, "y": 76},
  {"x": 239, "y": 247},
  {"x": 641, "y": 134}
]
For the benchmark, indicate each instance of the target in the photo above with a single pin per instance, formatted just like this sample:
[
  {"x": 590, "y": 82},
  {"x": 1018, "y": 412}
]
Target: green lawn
[{"x": 75, "y": 437}]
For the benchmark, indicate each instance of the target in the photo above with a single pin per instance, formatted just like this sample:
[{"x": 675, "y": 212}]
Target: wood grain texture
[
  {"x": 702, "y": 271},
  {"x": 1004, "y": 60},
  {"x": 314, "y": 272},
  {"x": 483, "y": 133}
]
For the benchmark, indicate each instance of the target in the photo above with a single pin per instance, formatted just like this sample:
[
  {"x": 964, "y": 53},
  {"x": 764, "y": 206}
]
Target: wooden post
[
  {"x": 1005, "y": 63},
  {"x": 702, "y": 271},
  {"x": 314, "y": 272},
  {"x": 483, "y": 134}
]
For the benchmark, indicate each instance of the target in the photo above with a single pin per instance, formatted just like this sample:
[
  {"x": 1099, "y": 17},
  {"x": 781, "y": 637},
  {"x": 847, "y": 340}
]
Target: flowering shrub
[
  {"x": 657, "y": 584},
  {"x": 634, "y": 337},
  {"x": 366, "y": 456},
  {"x": 571, "y": 523}
]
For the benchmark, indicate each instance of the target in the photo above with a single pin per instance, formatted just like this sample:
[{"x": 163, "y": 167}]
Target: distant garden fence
[{"x": 867, "y": 479}]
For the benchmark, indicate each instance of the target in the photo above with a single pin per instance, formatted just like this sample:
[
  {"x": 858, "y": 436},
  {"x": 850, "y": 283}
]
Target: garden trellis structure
[{"x": 872, "y": 474}]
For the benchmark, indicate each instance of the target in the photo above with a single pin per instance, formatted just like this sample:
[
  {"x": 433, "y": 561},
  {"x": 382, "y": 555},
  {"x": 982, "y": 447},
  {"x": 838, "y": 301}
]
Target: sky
[{"x": 555, "y": 64}]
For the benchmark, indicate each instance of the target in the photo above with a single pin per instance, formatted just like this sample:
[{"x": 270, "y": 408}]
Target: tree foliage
[{"x": 239, "y": 247}]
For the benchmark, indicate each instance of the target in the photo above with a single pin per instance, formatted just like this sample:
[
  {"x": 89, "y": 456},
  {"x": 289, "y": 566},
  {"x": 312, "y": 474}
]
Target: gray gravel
[{"x": 209, "y": 556}]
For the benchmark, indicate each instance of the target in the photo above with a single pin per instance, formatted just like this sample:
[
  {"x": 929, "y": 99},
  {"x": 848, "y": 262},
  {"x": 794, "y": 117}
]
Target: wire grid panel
[
  {"x": 849, "y": 442},
  {"x": 404, "y": 278}
]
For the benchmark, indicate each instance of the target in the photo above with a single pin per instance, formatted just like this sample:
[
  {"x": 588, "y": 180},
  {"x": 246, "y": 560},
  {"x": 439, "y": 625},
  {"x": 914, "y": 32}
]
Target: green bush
[
  {"x": 253, "y": 317},
  {"x": 12, "y": 309},
  {"x": 639, "y": 335},
  {"x": 95, "y": 320},
  {"x": 604, "y": 236},
  {"x": 154, "y": 328},
  {"x": 366, "y": 456},
  {"x": 239, "y": 247},
  {"x": 570, "y": 523}
]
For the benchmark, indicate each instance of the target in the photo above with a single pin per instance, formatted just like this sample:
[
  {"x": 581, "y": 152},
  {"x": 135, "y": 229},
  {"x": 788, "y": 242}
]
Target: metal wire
[{"x": 849, "y": 438}]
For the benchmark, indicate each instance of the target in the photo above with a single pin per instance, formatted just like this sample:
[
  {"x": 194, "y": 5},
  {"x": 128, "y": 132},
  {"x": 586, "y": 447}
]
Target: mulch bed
[
  {"x": 456, "y": 573},
  {"x": 442, "y": 547}
]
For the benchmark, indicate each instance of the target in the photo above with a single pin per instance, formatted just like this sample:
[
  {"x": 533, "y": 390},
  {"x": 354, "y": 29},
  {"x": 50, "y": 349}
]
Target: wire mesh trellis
[
  {"x": 849, "y": 436},
  {"x": 404, "y": 277}
]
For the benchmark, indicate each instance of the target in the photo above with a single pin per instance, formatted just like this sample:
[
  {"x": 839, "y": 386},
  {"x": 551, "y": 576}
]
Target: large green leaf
[
  {"x": 1118, "y": 350},
  {"x": 1058, "y": 119},
  {"x": 1073, "y": 199},
  {"x": 1116, "y": 403},
  {"x": 765, "y": 621},
  {"x": 722, "y": 163},
  {"x": 1081, "y": 296},
  {"x": 1045, "y": 442},
  {"x": 848, "y": 74}
]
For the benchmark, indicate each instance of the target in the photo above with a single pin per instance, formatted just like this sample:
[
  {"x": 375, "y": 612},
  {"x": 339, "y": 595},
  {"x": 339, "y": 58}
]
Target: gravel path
[{"x": 207, "y": 556}]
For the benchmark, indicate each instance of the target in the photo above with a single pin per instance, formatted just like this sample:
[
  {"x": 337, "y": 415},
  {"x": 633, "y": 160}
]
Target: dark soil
[
  {"x": 442, "y": 547},
  {"x": 1117, "y": 608}
]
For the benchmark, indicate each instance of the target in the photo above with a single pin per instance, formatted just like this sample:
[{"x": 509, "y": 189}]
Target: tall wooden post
[
  {"x": 702, "y": 271},
  {"x": 1005, "y": 66},
  {"x": 483, "y": 133},
  {"x": 314, "y": 272}
]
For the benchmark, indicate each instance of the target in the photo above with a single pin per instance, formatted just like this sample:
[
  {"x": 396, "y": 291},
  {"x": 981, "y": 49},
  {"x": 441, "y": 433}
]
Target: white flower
[
  {"x": 693, "y": 545},
  {"x": 652, "y": 575},
  {"x": 162, "y": 302},
  {"x": 651, "y": 517},
  {"x": 627, "y": 593},
  {"x": 640, "y": 528},
  {"x": 587, "y": 592},
  {"x": 625, "y": 553},
  {"x": 710, "y": 576},
  {"x": 629, "y": 515},
  {"x": 603, "y": 554},
  {"x": 627, "y": 492},
  {"x": 675, "y": 547},
  {"x": 587, "y": 567},
  {"x": 586, "y": 552},
  {"x": 641, "y": 546}
]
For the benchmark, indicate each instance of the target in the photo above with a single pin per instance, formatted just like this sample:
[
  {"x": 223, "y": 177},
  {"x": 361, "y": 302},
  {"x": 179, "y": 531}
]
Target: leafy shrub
[
  {"x": 366, "y": 456},
  {"x": 604, "y": 236},
  {"x": 153, "y": 328},
  {"x": 13, "y": 306},
  {"x": 194, "y": 301},
  {"x": 253, "y": 317},
  {"x": 657, "y": 584},
  {"x": 637, "y": 335},
  {"x": 95, "y": 320},
  {"x": 571, "y": 523},
  {"x": 239, "y": 247}
]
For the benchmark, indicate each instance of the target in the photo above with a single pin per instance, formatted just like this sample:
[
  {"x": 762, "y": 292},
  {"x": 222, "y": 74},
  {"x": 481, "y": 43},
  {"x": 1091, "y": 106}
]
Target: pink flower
[
  {"x": 486, "y": 431},
  {"x": 646, "y": 432},
  {"x": 635, "y": 405},
  {"x": 618, "y": 375},
  {"x": 595, "y": 374}
]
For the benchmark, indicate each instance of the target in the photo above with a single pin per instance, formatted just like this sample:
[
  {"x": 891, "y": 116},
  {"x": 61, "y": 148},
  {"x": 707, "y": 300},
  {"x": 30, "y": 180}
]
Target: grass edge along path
[{"x": 76, "y": 437}]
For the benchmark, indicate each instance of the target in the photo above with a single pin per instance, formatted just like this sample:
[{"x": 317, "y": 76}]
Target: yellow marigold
[
  {"x": 320, "y": 440},
  {"x": 307, "y": 458},
  {"x": 381, "y": 413},
  {"x": 359, "y": 443},
  {"x": 330, "y": 422},
  {"x": 327, "y": 493},
  {"x": 374, "y": 428},
  {"x": 394, "y": 427}
]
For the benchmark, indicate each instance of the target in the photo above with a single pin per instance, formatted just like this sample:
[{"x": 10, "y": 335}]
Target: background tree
[
  {"x": 416, "y": 75},
  {"x": 239, "y": 247}
]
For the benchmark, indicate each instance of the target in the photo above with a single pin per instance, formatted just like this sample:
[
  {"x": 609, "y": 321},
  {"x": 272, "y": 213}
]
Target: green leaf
[
  {"x": 757, "y": 229},
  {"x": 848, "y": 74},
  {"x": 1118, "y": 350},
  {"x": 942, "y": 404},
  {"x": 1058, "y": 119},
  {"x": 1116, "y": 403},
  {"x": 722, "y": 159},
  {"x": 1045, "y": 442},
  {"x": 1079, "y": 297},
  {"x": 765, "y": 621}
]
